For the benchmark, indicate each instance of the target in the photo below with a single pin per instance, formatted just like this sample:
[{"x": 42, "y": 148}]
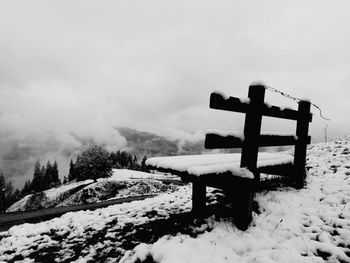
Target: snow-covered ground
[
  {"x": 289, "y": 225},
  {"x": 102, "y": 233}
]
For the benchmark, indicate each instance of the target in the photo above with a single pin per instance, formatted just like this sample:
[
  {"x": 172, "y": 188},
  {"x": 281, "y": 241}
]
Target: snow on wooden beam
[
  {"x": 221, "y": 102},
  {"x": 277, "y": 112}
]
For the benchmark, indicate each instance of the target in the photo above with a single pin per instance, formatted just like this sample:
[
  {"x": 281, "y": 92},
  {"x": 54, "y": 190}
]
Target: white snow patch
[{"x": 125, "y": 174}]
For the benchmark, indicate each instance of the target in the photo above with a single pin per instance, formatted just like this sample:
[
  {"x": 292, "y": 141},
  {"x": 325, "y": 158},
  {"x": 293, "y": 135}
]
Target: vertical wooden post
[
  {"x": 249, "y": 158},
  {"x": 198, "y": 197},
  {"x": 301, "y": 144},
  {"x": 243, "y": 205},
  {"x": 252, "y": 127}
]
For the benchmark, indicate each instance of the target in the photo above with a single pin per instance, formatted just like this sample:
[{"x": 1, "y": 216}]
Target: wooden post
[
  {"x": 252, "y": 127},
  {"x": 243, "y": 207},
  {"x": 198, "y": 197},
  {"x": 249, "y": 158},
  {"x": 301, "y": 144}
]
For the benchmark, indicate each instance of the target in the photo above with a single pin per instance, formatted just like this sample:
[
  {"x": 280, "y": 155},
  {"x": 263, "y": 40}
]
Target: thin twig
[
  {"x": 276, "y": 227},
  {"x": 268, "y": 213}
]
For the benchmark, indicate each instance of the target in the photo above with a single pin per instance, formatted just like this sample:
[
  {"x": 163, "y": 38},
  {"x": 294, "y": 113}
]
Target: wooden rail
[{"x": 215, "y": 141}]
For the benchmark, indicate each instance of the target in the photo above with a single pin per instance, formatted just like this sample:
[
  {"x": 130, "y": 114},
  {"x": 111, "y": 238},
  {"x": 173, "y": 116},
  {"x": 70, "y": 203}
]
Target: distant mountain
[{"x": 142, "y": 143}]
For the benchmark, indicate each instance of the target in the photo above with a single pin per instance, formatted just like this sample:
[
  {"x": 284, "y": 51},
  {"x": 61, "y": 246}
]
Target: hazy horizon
[{"x": 71, "y": 71}]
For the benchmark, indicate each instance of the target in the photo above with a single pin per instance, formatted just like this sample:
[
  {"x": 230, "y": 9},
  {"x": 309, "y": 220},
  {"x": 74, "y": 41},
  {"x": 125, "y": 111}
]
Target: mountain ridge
[{"x": 141, "y": 143}]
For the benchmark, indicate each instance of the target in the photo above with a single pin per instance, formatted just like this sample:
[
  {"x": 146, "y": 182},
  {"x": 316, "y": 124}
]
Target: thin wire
[{"x": 295, "y": 99}]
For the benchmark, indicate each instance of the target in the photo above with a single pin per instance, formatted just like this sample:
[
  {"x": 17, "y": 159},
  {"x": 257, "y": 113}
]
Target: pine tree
[
  {"x": 8, "y": 194},
  {"x": 47, "y": 172},
  {"x": 112, "y": 157},
  {"x": 129, "y": 162},
  {"x": 76, "y": 167},
  {"x": 55, "y": 179},
  {"x": 44, "y": 184},
  {"x": 72, "y": 171},
  {"x": 36, "y": 184},
  {"x": 26, "y": 188},
  {"x": 2, "y": 192}
]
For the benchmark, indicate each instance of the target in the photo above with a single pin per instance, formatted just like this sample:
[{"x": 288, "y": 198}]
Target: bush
[
  {"x": 35, "y": 201},
  {"x": 93, "y": 163}
]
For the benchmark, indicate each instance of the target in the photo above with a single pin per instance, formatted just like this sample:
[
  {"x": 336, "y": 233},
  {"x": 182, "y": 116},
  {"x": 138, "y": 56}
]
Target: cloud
[
  {"x": 71, "y": 71},
  {"x": 21, "y": 147}
]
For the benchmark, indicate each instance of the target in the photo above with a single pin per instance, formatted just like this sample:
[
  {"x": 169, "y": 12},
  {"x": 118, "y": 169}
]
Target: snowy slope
[
  {"x": 307, "y": 225},
  {"x": 122, "y": 183},
  {"x": 310, "y": 225},
  {"x": 51, "y": 196},
  {"x": 85, "y": 234}
]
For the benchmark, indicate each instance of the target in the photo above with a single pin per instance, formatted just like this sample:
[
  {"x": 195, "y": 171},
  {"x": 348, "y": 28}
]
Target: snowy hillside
[
  {"x": 49, "y": 197},
  {"x": 289, "y": 225},
  {"x": 123, "y": 183}
]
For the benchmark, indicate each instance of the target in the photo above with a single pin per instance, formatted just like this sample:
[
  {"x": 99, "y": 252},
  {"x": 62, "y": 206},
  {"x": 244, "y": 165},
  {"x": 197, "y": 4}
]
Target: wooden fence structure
[
  {"x": 255, "y": 108},
  {"x": 242, "y": 189}
]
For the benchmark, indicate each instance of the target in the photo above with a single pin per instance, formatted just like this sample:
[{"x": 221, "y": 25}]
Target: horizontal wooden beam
[
  {"x": 216, "y": 141},
  {"x": 276, "y": 140},
  {"x": 219, "y": 102},
  {"x": 286, "y": 169},
  {"x": 277, "y": 112}
]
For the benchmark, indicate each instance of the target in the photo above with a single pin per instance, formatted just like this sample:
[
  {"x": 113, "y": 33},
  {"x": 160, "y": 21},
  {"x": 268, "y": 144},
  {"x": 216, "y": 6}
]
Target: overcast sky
[{"x": 84, "y": 67}]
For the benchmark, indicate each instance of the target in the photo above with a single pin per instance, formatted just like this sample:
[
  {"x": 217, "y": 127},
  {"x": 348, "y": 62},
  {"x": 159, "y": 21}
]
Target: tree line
[
  {"x": 93, "y": 163},
  {"x": 44, "y": 177},
  {"x": 96, "y": 162}
]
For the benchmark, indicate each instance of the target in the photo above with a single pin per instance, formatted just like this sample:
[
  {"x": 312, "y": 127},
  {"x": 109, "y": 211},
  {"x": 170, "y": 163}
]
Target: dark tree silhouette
[
  {"x": 93, "y": 163},
  {"x": 36, "y": 184},
  {"x": 2, "y": 192},
  {"x": 72, "y": 171}
]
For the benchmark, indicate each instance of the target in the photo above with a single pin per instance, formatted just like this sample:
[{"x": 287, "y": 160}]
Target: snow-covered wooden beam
[
  {"x": 220, "y": 141},
  {"x": 189, "y": 167},
  {"x": 221, "y": 102}
]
